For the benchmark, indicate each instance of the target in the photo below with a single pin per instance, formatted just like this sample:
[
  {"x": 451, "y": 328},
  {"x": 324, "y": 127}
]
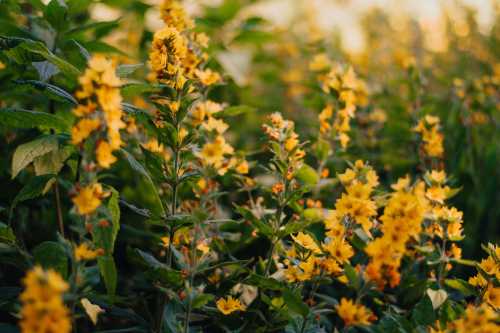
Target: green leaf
[
  {"x": 134, "y": 89},
  {"x": 235, "y": 110},
  {"x": 352, "y": 276},
  {"x": 40, "y": 49},
  {"x": 423, "y": 313},
  {"x": 101, "y": 47},
  {"x": 19, "y": 118},
  {"x": 52, "y": 255},
  {"x": 141, "y": 170},
  {"x": 295, "y": 304},
  {"x": 52, "y": 162},
  {"x": 6, "y": 234},
  {"x": 106, "y": 25},
  {"x": 307, "y": 175},
  {"x": 461, "y": 285},
  {"x": 126, "y": 70},
  {"x": 261, "y": 226},
  {"x": 293, "y": 227},
  {"x": 55, "y": 13},
  {"x": 253, "y": 37},
  {"x": 201, "y": 300},
  {"x": 27, "y": 152},
  {"x": 105, "y": 236},
  {"x": 159, "y": 271},
  {"x": 51, "y": 90},
  {"x": 263, "y": 282},
  {"x": 37, "y": 186},
  {"x": 107, "y": 268}
]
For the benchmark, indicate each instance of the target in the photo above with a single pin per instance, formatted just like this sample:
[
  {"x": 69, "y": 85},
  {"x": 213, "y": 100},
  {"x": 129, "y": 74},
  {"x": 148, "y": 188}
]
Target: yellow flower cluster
[
  {"x": 491, "y": 268},
  {"x": 229, "y": 305},
  {"x": 356, "y": 205},
  {"x": 100, "y": 108},
  {"x": 84, "y": 252},
  {"x": 429, "y": 127},
  {"x": 43, "y": 309},
  {"x": 447, "y": 221},
  {"x": 216, "y": 153},
  {"x": 309, "y": 259},
  {"x": 350, "y": 90},
  {"x": 89, "y": 198},
  {"x": 173, "y": 14},
  {"x": 176, "y": 54},
  {"x": 282, "y": 131},
  {"x": 480, "y": 319},
  {"x": 353, "y": 313},
  {"x": 402, "y": 220}
]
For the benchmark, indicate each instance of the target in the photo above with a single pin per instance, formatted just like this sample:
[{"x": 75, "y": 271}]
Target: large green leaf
[
  {"x": 159, "y": 271},
  {"x": 108, "y": 271},
  {"x": 25, "y": 51},
  {"x": 138, "y": 167},
  {"x": 6, "y": 234},
  {"x": 19, "y": 118},
  {"x": 37, "y": 186},
  {"x": 295, "y": 304},
  {"x": 105, "y": 236},
  {"x": 52, "y": 255},
  {"x": 27, "y": 152},
  {"x": 52, "y": 91},
  {"x": 55, "y": 13},
  {"x": 52, "y": 162}
]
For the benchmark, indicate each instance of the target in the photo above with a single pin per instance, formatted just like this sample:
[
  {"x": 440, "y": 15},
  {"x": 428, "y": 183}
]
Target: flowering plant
[{"x": 157, "y": 196}]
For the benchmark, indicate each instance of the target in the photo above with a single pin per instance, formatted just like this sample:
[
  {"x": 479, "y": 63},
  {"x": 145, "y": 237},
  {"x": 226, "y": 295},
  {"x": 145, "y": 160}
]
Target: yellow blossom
[
  {"x": 353, "y": 314},
  {"x": 229, "y": 305},
  {"x": 84, "y": 252},
  {"x": 43, "y": 310},
  {"x": 104, "y": 154},
  {"x": 88, "y": 199}
]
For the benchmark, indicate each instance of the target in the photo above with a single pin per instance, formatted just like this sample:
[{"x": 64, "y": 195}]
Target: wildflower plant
[{"x": 208, "y": 172}]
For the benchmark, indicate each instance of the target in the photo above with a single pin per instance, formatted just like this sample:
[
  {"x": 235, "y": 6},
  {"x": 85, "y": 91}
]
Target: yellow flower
[
  {"x": 438, "y": 177},
  {"x": 242, "y": 167},
  {"x": 84, "y": 252},
  {"x": 212, "y": 153},
  {"x": 215, "y": 124},
  {"x": 230, "y": 305},
  {"x": 320, "y": 62},
  {"x": 306, "y": 241},
  {"x": 339, "y": 249},
  {"x": 292, "y": 142},
  {"x": 208, "y": 77},
  {"x": 353, "y": 314},
  {"x": 492, "y": 296},
  {"x": 173, "y": 14},
  {"x": 82, "y": 129},
  {"x": 43, "y": 309},
  {"x": 88, "y": 199},
  {"x": 475, "y": 320},
  {"x": 104, "y": 154}
]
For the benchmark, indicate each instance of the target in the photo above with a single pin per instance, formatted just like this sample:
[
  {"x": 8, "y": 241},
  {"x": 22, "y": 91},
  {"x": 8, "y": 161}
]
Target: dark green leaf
[
  {"x": 52, "y": 255},
  {"x": 55, "y": 14},
  {"x": 295, "y": 304},
  {"x": 19, "y": 118},
  {"x": 51, "y": 90},
  {"x": 107, "y": 268}
]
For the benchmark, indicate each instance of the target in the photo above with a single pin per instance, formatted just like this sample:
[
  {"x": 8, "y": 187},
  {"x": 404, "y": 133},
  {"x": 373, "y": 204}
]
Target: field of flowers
[{"x": 195, "y": 166}]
